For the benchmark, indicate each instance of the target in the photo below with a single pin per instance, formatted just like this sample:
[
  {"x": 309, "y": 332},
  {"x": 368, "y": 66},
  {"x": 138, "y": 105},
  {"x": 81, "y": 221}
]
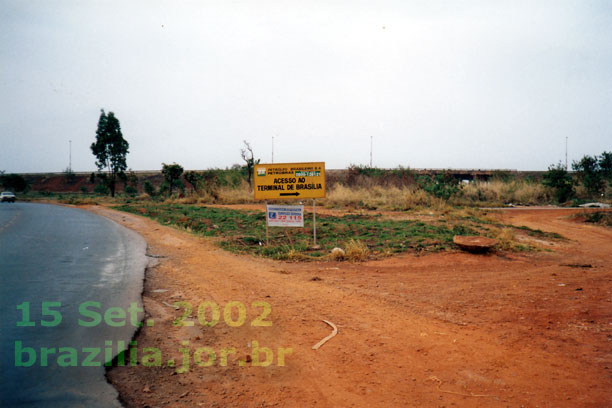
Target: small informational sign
[
  {"x": 282, "y": 181},
  {"x": 285, "y": 215}
]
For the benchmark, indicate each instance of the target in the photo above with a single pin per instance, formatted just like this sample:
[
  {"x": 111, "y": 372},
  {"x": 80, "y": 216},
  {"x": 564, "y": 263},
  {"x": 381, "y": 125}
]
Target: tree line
[{"x": 593, "y": 172}]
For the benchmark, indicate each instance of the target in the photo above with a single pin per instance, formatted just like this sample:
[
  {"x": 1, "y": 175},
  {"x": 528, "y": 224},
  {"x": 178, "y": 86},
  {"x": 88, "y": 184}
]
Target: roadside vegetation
[
  {"x": 595, "y": 217},
  {"x": 359, "y": 236},
  {"x": 374, "y": 212}
]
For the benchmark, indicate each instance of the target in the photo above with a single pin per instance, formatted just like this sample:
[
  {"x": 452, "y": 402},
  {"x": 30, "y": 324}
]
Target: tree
[
  {"x": 605, "y": 165},
  {"x": 14, "y": 182},
  {"x": 172, "y": 174},
  {"x": 194, "y": 179},
  {"x": 110, "y": 149},
  {"x": 249, "y": 158},
  {"x": 558, "y": 179},
  {"x": 589, "y": 173}
]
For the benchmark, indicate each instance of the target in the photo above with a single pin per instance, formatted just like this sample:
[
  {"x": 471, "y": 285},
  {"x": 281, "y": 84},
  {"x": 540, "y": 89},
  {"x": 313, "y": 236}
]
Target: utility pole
[
  {"x": 70, "y": 156},
  {"x": 371, "y": 137}
]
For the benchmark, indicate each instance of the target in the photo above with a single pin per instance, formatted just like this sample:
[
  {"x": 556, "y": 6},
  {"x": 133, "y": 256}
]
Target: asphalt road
[{"x": 52, "y": 261}]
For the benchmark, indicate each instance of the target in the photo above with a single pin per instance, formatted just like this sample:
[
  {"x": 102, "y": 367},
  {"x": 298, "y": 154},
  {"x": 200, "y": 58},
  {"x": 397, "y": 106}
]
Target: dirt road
[{"x": 442, "y": 330}]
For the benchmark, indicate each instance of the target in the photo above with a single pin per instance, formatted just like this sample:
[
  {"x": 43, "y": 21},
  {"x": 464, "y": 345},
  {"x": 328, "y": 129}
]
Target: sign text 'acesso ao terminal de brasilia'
[{"x": 281, "y": 181}]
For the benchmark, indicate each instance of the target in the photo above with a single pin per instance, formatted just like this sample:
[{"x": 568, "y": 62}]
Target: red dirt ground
[{"x": 441, "y": 330}]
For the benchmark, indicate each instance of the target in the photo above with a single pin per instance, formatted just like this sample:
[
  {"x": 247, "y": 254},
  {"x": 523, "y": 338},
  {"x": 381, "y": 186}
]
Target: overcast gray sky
[{"x": 442, "y": 84}]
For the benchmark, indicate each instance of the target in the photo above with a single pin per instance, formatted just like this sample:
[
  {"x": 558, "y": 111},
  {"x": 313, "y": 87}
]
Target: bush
[
  {"x": 589, "y": 172},
  {"x": 599, "y": 217},
  {"x": 440, "y": 185},
  {"x": 559, "y": 180},
  {"x": 101, "y": 189},
  {"x": 149, "y": 188},
  {"x": 130, "y": 190},
  {"x": 84, "y": 190}
]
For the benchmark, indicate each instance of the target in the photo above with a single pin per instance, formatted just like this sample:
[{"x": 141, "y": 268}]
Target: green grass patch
[
  {"x": 538, "y": 233},
  {"x": 243, "y": 231}
]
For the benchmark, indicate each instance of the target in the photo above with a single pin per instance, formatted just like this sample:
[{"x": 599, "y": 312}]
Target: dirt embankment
[
  {"x": 77, "y": 182},
  {"x": 449, "y": 329}
]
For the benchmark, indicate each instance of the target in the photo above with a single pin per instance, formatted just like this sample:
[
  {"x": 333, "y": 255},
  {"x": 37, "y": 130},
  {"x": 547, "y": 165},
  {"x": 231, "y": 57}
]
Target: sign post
[
  {"x": 289, "y": 181},
  {"x": 314, "y": 222},
  {"x": 267, "y": 221}
]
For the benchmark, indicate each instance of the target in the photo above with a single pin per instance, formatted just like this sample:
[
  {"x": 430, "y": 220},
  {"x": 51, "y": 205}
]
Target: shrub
[
  {"x": 149, "y": 188},
  {"x": 506, "y": 239},
  {"x": 559, "y": 180},
  {"x": 130, "y": 190},
  {"x": 101, "y": 189},
  {"x": 589, "y": 172},
  {"x": 599, "y": 217},
  {"x": 440, "y": 185}
]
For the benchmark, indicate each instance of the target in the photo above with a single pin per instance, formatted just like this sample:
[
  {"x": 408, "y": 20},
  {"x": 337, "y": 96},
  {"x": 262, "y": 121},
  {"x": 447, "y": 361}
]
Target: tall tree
[
  {"x": 110, "y": 149},
  {"x": 172, "y": 174}
]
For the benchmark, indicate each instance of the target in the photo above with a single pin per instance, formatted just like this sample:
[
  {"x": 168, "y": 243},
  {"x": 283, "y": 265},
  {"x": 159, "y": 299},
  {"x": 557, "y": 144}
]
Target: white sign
[{"x": 285, "y": 215}]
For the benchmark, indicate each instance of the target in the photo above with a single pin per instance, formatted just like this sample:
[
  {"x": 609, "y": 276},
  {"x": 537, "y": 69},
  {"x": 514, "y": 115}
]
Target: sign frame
[{"x": 289, "y": 181}]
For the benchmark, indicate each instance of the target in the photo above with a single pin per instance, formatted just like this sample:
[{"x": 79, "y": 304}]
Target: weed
[
  {"x": 244, "y": 231},
  {"x": 357, "y": 251},
  {"x": 506, "y": 239},
  {"x": 596, "y": 217}
]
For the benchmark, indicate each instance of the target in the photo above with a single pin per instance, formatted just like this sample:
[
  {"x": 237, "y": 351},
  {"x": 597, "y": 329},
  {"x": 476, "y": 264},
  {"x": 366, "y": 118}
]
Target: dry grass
[
  {"x": 377, "y": 197},
  {"x": 75, "y": 200},
  {"x": 356, "y": 251},
  {"x": 223, "y": 195},
  {"x": 499, "y": 192},
  {"x": 142, "y": 197},
  {"x": 294, "y": 255},
  {"x": 506, "y": 239},
  {"x": 240, "y": 195},
  {"x": 382, "y": 198},
  {"x": 488, "y": 216}
]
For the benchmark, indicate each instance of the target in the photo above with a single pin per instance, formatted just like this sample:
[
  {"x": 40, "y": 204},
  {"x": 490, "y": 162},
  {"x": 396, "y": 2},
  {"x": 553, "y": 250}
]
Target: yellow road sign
[{"x": 281, "y": 181}]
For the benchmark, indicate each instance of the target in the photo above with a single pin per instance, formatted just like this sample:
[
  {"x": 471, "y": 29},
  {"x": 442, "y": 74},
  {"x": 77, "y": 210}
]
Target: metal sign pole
[
  {"x": 314, "y": 221},
  {"x": 267, "y": 239}
]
